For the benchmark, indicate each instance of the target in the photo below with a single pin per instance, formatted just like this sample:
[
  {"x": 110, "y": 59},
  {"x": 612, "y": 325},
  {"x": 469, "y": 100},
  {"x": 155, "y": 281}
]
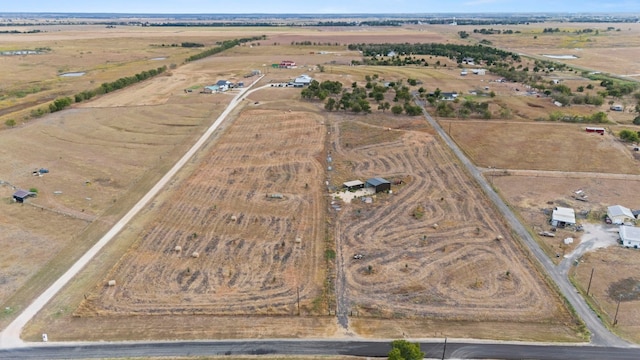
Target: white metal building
[
  {"x": 630, "y": 236},
  {"x": 563, "y": 216},
  {"x": 619, "y": 214}
]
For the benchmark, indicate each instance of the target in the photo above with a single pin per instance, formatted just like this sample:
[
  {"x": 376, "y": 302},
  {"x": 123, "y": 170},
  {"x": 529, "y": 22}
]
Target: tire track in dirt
[
  {"x": 415, "y": 268},
  {"x": 239, "y": 252}
]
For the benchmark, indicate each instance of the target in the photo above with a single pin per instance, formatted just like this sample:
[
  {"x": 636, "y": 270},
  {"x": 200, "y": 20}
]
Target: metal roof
[
  {"x": 353, "y": 183},
  {"x": 629, "y": 233},
  {"x": 22, "y": 193},
  {"x": 377, "y": 181},
  {"x": 619, "y": 210},
  {"x": 565, "y": 215}
]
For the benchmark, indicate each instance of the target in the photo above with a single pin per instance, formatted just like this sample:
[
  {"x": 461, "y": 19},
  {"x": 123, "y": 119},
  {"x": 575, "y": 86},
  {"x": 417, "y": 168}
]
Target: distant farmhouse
[{"x": 302, "y": 80}]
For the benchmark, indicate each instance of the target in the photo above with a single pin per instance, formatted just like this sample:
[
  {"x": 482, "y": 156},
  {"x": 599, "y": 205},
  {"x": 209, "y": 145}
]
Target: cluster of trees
[
  {"x": 463, "y": 34},
  {"x": 596, "y": 118},
  {"x": 60, "y": 104},
  {"x": 222, "y": 46},
  {"x": 191, "y": 45},
  {"x": 492, "y": 31},
  {"x": 358, "y": 99},
  {"x": 629, "y": 135},
  {"x": 310, "y": 43},
  {"x": 485, "y": 54},
  {"x": 614, "y": 87},
  {"x": 550, "y": 30}
]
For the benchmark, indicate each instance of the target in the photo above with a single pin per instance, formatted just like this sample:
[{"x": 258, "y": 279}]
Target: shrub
[{"x": 629, "y": 135}]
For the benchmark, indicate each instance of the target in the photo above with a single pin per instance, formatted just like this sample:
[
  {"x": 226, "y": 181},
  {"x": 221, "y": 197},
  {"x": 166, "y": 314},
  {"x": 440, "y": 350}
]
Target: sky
[{"x": 322, "y": 6}]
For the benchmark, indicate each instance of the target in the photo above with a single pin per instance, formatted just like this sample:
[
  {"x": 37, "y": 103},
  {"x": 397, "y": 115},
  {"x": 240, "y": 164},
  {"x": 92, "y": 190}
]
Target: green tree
[
  {"x": 396, "y": 109},
  {"x": 404, "y": 350},
  {"x": 629, "y": 135},
  {"x": 331, "y": 104},
  {"x": 10, "y": 123}
]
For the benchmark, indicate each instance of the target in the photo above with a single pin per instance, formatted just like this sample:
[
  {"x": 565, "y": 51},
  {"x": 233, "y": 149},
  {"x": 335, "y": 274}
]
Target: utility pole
[
  {"x": 444, "y": 350},
  {"x": 615, "y": 318},
  {"x": 591, "y": 277},
  {"x": 298, "y": 291}
]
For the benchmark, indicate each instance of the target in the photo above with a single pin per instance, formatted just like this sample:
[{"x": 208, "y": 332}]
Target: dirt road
[{"x": 600, "y": 334}]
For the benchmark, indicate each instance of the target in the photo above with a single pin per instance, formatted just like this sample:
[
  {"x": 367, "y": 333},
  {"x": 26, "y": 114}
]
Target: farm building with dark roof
[{"x": 379, "y": 184}]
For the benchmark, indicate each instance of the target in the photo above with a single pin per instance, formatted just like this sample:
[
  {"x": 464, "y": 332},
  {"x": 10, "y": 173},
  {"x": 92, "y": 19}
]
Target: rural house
[
  {"x": 379, "y": 184},
  {"x": 353, "y": 185},
  {"x": 630, "y": 236},
  {"x": 223, "y": 85},
  {"x": 21, "y": 195},
  {"x": 563, "y": 216},
  {"x": 619, "y": 214},
  {"x": 303, "y": 80}
]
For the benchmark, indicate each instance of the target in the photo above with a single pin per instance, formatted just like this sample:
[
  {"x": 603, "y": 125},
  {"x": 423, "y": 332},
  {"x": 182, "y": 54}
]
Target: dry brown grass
[
  {"x": 125, "y": 140},
  {"x": 615, "y": 271},
  {"x": 542, "y": 146}
]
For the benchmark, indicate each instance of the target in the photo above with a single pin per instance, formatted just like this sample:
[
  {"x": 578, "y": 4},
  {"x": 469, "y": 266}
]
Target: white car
[{"x": 45, "y": 338}]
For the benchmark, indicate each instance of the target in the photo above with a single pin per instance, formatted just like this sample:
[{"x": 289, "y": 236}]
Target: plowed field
[
  {"x": 445, "y": 263},
  {"x": 247, "y": 224}
]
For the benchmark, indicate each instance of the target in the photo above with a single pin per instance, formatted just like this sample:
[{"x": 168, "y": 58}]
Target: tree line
[
  {"x": 375, "y": 53},
  {"x": 222, "y": 46},
  {"x": 64, "y": 102}
]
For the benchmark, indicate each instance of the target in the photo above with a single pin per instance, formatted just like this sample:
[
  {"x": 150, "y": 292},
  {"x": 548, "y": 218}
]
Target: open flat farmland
[
  {"x": 547, "y": 146},
  {"x": 248, "y": 224},
  {"x": 442, "y": 264},
  {"x": 101, "y": 159},
  {"x": 609, "y": 286}
]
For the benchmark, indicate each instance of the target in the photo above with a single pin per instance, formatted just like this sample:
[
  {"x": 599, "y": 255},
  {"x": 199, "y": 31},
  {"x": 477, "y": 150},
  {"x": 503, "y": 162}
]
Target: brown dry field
[
  {"x": 613, "y": 52},
  {"x": 156, "y": 120},
  {"x": 542, "y": 146},
  {"x": 608, "y": 284},
  {"x": 457, "y": 271}
]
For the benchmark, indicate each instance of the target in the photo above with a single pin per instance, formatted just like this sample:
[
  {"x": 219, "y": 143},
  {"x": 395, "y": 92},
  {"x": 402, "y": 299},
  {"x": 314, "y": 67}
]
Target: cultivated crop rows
[
  {"x": 238, "y": 236},
  {"x": 435, "y": 247}
]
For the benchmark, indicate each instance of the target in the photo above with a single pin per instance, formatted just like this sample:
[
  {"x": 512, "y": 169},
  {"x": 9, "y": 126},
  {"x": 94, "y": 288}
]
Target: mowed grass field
[{"x": 113, "y": 148}]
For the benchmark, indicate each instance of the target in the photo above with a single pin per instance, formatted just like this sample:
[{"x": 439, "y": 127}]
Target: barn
[
  {"x": 21, "y": 195},
  {"x": 379, "y": 184}
]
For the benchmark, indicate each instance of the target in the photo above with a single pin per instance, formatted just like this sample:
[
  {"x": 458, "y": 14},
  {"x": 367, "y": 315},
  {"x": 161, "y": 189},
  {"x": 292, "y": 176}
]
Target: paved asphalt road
[
  {"x": 600, "y": 334},
  {"x": 454, "y": 350}
]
